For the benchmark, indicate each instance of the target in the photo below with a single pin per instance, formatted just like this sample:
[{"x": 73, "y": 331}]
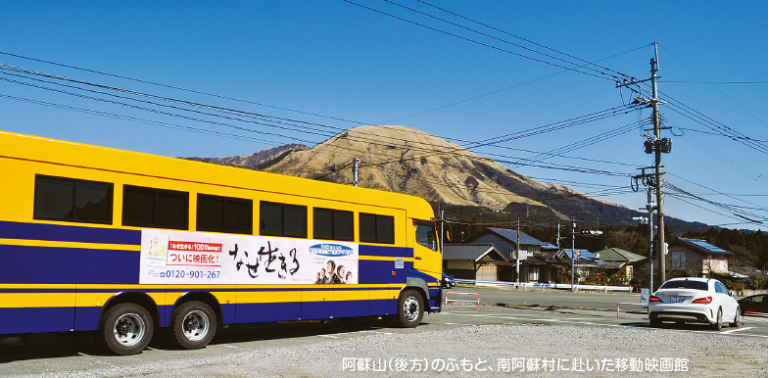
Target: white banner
[{"x": 183, "y": 257}]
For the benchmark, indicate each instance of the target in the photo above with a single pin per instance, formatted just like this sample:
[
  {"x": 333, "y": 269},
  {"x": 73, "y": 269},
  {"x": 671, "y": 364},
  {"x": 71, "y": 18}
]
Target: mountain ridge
[{"x": 406, "y": 160}]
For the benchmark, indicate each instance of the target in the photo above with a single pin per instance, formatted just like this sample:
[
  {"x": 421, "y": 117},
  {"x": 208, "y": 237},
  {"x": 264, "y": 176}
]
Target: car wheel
[
  {"x": 719, "y": 322},
  {"x": 126, "y": 329},
  {"x": 193, "y": 325},
  {"x": 410, "y": 309},
  {"x": 655, "y": 323},
  {"x": 736, "y": 319}
]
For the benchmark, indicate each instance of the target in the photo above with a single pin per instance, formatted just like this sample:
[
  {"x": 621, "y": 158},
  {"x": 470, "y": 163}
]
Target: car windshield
[{"x": 696, "y": 285}]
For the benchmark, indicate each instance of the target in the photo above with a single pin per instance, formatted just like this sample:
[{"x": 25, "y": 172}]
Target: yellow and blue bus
[{"x": 125, "y": 244}]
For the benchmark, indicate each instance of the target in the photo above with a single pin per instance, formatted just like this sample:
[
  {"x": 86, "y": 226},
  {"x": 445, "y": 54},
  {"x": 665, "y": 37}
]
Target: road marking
[
  {"x": 526, "y": 318},
  {"x": 737, "y": 330}
]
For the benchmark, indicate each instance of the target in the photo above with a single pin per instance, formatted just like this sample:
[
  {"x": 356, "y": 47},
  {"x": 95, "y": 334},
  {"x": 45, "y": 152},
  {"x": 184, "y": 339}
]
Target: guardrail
[
  {"x": 462, "y": 300},
  {"x": 526, "y": 285},
  {"x": 618, "y": 306}
]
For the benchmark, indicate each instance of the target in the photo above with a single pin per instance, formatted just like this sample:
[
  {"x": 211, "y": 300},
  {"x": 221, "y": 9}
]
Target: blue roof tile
[{"x": 703, "y": 245}]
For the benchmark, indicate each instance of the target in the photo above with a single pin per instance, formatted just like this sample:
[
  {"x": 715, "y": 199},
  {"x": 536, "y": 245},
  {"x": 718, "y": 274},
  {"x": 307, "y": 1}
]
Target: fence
[
  {"x": 526, "y": 285},
  {"x": 462, "y": 300},
  {"x": 618, "y": 306}
]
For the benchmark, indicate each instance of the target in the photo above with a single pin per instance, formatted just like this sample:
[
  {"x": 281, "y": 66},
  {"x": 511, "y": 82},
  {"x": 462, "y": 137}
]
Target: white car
[{"x": 694, "y": 299}]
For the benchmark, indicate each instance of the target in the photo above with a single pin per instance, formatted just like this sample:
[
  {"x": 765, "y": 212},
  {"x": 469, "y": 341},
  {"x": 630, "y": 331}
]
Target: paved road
[
  {"x": 549, "y": 299},
  {"x": 491, "y": 333},
  {"x": 488, "y": 334}
]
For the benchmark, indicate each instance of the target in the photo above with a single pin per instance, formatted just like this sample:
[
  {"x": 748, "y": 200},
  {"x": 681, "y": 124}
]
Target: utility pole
[
  {"x": 558, "y": 235},
  {"x": 650, "y": 208},
  {"x": 657, "y": 145},
  {"x": 442, "y": 218},
  {"x": 356, "y": 171},
  {"x": 659, "y": 186},
  {"x": 517, "y": 255},
  {"x": 573, "y": 249}
]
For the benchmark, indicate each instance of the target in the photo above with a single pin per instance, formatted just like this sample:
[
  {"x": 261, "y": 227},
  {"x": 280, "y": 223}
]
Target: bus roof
[{"x": 54, "y": 151}]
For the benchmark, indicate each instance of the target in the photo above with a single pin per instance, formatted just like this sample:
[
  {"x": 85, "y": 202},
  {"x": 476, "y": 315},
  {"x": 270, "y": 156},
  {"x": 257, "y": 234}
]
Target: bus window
[
  {"x": 377, "y": 229},
  {"x": 73, "y": 200},
  {"x": 426, "y": 236},
  {"x": 224, "y": 214},
  {"x": 278, "y": 219},
  {"x": 333, "y": 224},
  {"x": 149, "y": 207}
]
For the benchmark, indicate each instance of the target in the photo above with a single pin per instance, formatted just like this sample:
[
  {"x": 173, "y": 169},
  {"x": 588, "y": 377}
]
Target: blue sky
[{"x": 340, "y": 60}]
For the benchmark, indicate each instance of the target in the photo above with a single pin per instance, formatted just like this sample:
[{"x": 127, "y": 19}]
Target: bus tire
[
  {"x": 193, "y": 325},
  {"x": 126, "y": 329},
  {"x": 410, "y": 309}
]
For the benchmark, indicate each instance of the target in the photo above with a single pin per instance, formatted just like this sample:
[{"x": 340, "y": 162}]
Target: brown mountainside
[{"x": 405, "y": 160}]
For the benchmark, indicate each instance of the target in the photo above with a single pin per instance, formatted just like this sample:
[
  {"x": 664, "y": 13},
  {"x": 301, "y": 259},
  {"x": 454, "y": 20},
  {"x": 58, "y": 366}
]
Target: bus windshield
[{"x": 426, "y": 236}]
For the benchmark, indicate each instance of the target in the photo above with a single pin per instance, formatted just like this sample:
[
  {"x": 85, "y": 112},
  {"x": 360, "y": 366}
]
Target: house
[
  {"x": 505, "y": 240},
  {"x": 585, "y": 263},
  {"x": 474, "y": 261},
  {"x": 546, "y": 266},
  {"x": 697, "y": 256},
  {"x": 619, "y": 260}
]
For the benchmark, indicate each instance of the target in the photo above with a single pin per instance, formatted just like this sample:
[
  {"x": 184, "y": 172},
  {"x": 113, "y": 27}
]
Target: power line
[
  {"x": 242, "y": 113},
  {"x": 712, "y": 82},
  {"x": 142, "y": 120},
  {"x": 474, "y": 41},
  {"x": 176, "y": 87},
  {"x": 715, "y": 86},
  {"x": 501, "y": 39},
  {"x": 521, "y": 161},
  {"x": 503, "y": 89},
  {"x": 524, "y": 39},
  {"x": 301, "y": 128}
]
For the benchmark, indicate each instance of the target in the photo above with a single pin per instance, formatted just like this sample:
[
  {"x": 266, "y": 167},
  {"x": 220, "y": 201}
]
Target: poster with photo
[{"x": 183, "y": 257}]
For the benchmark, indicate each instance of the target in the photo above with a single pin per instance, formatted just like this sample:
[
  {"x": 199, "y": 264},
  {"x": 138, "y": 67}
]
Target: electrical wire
[{"x": 475, "y": 41}]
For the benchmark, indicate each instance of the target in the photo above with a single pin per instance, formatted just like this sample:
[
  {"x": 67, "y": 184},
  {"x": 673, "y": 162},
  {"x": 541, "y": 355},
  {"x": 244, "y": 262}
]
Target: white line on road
[
  {"x": 737, "y": 330},
  {"x": 524, "y": 317}
]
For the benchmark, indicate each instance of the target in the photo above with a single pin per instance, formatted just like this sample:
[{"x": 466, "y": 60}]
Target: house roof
[
  {"x": 618, "y": 255},
  {"x": 584, "y": 257},
  {"x": 511, "y": 235},
  {"x": 536, "y": 260},
  {"x": 702, "y": 246},
  {"x": 549, "y": 246},
  {"x": 471, "y": 251},
  {"x": 583, "y": 254}
]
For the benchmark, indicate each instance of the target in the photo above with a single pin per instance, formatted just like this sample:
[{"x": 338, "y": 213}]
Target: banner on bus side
[{"x": 183, "y": 257}]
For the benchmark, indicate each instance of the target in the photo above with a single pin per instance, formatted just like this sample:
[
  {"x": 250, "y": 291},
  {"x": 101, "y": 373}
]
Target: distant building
[
  {"x": 619, "y": 260},
  {"x": 585, "y": 263},
  {"x": 505, "y": 240},
  {"x": 474, "y": 261},
  {"x": 697, "y": 256}
]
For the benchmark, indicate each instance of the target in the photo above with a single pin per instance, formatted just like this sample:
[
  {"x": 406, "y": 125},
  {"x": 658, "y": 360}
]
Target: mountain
[
  {"x": 406, "y": 160},
  {"x": 257, "y": 160}
]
